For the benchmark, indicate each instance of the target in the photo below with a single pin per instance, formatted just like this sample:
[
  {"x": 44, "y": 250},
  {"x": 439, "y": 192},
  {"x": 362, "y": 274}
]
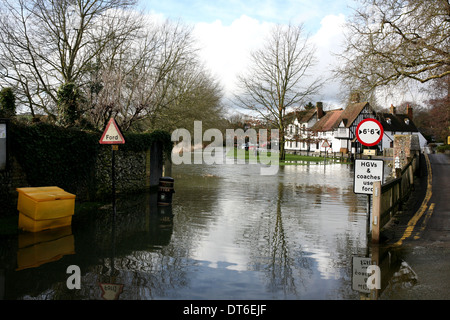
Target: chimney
[
  {"x": 319, "y": 109},
  {"x": 392, "y": 109},
  {"x": 355, "y": 97},
  {"x": 409, "y": 112}
]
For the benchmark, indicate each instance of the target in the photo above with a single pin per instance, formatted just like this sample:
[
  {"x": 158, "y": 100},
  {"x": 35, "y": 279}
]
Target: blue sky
[
  {"x": 310, "y": 12},
  {"x": 228, "y": 30}
]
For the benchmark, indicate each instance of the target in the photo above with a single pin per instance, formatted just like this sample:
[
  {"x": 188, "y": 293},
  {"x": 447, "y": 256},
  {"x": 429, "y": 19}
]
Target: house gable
[{"x": 356, "y": 112}]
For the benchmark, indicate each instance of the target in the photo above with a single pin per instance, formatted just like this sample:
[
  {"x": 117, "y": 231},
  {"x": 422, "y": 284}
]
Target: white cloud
[
  {"x": 226, "y": 48},
  {"x": 328, "y": 40}
]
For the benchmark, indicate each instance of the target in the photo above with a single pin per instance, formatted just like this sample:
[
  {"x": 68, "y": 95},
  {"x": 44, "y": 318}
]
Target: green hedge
[
  {"x": 141, "y": 141},
  {"x": 52, "y": 155},
  {"x": 443, "y": 148}
]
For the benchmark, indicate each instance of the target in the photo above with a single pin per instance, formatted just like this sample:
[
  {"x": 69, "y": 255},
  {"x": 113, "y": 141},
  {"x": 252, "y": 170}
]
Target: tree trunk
[{"x": 282, "y": 155}]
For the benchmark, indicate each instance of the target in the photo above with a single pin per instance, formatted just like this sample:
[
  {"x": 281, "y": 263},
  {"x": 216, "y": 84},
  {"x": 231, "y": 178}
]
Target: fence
[
  {"x": 341, "y": 156},
  {"x": 388, "y": 197}
]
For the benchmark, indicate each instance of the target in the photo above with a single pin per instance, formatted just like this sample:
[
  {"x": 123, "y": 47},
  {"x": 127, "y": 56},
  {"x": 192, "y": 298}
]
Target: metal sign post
[
  {"x": 326, "y": 145},
  {"x": 366, "y": 173},
  {"x": 113, "y": 178},
  {"x": 112, "y": 135},
  {"x": 369, "y": 132}
]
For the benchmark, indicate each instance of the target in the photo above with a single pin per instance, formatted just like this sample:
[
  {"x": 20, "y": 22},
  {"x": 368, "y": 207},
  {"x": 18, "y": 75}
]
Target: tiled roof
[
  {"x": 308, "y": 115},
  {"x": 396, "y": 122},
  {"x": 329, "y": 121},
  {"x": 332, "y": 119},
  {"x": 302, "y": 116},
  {"x": 351, "y": 113}
]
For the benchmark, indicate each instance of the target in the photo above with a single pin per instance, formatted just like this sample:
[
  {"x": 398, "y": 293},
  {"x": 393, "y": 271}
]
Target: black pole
[
  {"x": 368, "y": 214},
  {"x": 113, "y": 178},
  {"x": 113, "y": 222}
]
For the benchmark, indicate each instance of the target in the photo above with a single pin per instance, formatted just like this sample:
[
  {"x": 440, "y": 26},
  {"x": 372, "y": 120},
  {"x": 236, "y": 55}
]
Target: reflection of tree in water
[
  {"x": 151, "y": 270},
  {"x": 144, "y": 258},
  {"x": 273, "y": 254},
  {"x": 146, "y": 275},
  {"x": 281, "y": 267}
]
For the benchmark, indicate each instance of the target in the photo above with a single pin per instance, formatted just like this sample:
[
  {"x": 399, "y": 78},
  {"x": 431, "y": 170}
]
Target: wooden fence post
[{"x": 376, "y": 211}]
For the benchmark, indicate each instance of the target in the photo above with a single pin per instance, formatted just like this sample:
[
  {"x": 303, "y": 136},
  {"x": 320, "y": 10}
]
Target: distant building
[
  {"x": 394, "y": 123},
  {"x": 345, "y": 132},
  {"x": 308, "y": 130},
  {"x": 298, "y": 133}
]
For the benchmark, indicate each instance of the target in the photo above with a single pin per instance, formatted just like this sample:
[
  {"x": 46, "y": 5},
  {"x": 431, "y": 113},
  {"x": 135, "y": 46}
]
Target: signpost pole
[
  {"x": 368, "y": 214},
  {"x": 113, "y": 178},
  {"x": 369, "y": 132},
  {"x": 112, "y": 135}
]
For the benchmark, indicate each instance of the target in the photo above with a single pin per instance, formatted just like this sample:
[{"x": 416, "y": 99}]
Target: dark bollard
[{"x": 165, "y": 191}]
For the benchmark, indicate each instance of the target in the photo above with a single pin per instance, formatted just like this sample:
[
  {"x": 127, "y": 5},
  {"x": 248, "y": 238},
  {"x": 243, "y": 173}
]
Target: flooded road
[{"x": 230, "y": 233}]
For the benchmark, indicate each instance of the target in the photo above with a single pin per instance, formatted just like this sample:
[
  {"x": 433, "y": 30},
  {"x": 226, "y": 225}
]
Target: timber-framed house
[{"x": 349, "y": 120}]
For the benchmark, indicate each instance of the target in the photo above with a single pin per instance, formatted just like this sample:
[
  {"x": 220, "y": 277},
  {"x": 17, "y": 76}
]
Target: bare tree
[
  {"x": 197, "y": 96},
  {"x": 90, "y": 60},
  {"x": 141, "y": 77},
  {"x": 393, "y": 42},
  {"x": 45, "y": 44},
  {"x": 278, "y": 77}
]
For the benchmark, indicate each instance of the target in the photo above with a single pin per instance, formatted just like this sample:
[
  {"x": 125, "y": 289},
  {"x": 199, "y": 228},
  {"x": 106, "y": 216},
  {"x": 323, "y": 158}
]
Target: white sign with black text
[
  {"x": 366, "y": 173},
  {"x": 365, "y": 275}
]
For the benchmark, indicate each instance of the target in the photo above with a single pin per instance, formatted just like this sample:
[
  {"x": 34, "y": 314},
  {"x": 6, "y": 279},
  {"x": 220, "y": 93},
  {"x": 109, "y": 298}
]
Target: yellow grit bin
[{"x": 43, "y": 208}]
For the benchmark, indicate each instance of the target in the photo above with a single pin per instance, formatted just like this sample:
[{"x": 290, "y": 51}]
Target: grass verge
[{"x": 290, "y": 159}]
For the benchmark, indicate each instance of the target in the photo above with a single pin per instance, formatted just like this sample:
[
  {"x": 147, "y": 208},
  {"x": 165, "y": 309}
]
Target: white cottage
[
  {"x": 394, "y": 123},
  {"x": 299, "y": 136},
  {"x": 325, "y": 130}
]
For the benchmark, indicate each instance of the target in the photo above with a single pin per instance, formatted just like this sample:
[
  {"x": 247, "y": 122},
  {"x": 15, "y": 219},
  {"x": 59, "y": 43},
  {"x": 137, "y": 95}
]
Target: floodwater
[{"x": 230, "y": 233}]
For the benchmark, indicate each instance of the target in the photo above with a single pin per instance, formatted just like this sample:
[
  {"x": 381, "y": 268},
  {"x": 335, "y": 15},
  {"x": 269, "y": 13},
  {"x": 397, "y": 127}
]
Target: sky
[{"x": 228, "y": 30}]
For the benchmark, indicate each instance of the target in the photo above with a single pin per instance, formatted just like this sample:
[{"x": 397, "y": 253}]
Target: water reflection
[
  {"x": 35, "y": 249},
  {"x": 229, "y": 234}
]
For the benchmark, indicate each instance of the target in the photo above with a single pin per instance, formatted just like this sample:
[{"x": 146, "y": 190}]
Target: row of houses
[{"x": 335, "y": 130}]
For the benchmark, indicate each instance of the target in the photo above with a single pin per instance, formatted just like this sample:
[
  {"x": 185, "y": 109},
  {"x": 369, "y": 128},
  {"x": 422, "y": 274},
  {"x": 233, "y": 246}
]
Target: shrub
[
  {"x": 7, "y": 103},
  {"x": 443, "y": 148}
]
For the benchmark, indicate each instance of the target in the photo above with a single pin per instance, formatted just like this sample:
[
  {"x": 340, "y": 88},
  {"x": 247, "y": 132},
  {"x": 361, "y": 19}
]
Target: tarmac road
[{"x": 423, "y": 234}]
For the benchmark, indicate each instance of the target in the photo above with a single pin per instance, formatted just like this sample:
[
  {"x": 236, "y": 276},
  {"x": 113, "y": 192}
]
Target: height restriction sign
[{"x": 369, "y": 132}]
